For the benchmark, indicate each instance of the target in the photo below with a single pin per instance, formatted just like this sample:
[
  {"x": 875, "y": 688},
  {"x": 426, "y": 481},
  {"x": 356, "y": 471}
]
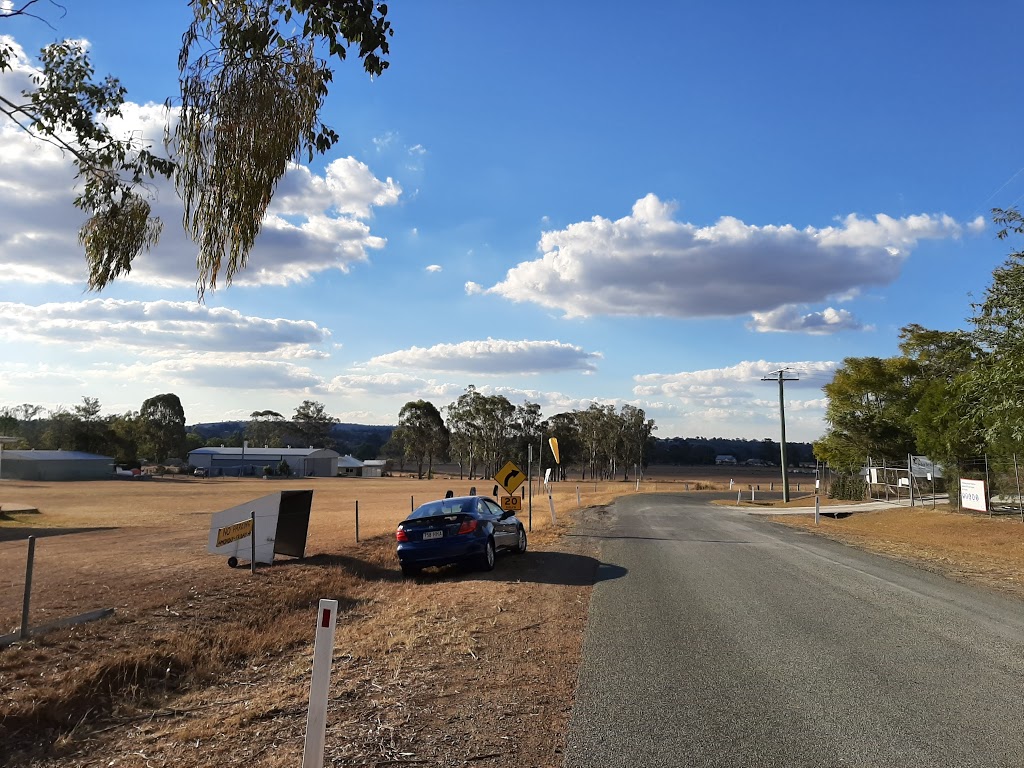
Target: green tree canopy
[
  {"x": 313, "y": 424},
  {"x": 870, "y": 402},
  {"x": 162, "y": 428},
  {"x": 423, "y": 434}
]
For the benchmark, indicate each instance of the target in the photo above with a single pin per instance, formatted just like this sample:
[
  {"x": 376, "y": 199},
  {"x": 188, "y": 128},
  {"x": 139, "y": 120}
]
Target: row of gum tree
[
  {"x": 156, "y": 432},
  {"x": 481, "y": 432},
  {"x": 955, "y": 396}
]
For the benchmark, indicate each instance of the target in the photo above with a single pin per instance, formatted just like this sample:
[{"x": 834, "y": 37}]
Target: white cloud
[
  {"x": 219, "y": 371},
  {"x": 712, "y": 381},
  {"x": 392, "y": 384},
  {"x": 385, "y": 141},
  {"x": 733, "y": 401},
  {"x": 417, "y": 149},
  {"x": 315, "y": 223},
  {"x": 472, "y": 289},
  {"x": 493, "y": 356},
  {"x": 160, "y": 327},
  {"x": 789, "y": 318},
  {"x": 434, "y": 268},
  {"x": 648, "y": 263},
  {"x": 347, "y": 186},
  {"x": 977, "y": 225}
]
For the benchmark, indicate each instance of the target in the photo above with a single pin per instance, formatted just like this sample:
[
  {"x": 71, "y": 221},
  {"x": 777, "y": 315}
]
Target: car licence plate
[{"x": 433, "y": 535}]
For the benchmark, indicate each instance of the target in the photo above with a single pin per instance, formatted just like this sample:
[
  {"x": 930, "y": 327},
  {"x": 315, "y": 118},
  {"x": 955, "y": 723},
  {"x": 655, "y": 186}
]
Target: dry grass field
[
  {"x": 961, "y": 546},
  {"x": 202, "y": 665}
]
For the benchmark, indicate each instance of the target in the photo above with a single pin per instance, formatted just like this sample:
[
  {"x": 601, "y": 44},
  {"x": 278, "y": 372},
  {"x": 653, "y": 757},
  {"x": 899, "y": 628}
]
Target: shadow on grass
[
  {"x": 16, "y": 534},
  {"x": 534, "y": 567},
  {"x": 364, "y": 569}
]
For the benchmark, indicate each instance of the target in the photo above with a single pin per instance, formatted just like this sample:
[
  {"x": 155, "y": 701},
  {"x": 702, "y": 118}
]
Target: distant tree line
[
  {"x": 481, "y": 432},
  {"x": 157, "y": 431},
  {"x": 950, "y": 395},
  {"x": 703, "y": 450},
  {"x": 477, "y": 432}
]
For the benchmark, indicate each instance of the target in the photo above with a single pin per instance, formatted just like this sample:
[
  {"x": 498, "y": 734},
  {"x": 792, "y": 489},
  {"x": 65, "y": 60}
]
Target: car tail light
[
  {"x": 468, "y": 526},
  {"x": 401, "y": 535}
]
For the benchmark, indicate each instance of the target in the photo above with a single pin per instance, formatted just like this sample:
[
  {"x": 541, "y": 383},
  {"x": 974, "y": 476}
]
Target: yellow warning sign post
[{"x": 510, "y": 477}]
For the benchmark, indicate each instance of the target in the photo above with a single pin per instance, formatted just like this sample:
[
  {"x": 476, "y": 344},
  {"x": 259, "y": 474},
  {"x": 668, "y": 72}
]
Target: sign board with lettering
[
  {"x": 234, "y": 532},
  {"x": 512, "y": 503},
  {"x": 972, "y": 495}
]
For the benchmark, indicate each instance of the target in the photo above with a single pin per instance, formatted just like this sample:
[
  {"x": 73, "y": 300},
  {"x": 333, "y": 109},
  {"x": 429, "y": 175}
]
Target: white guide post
[{"x": 323, "y": 652}]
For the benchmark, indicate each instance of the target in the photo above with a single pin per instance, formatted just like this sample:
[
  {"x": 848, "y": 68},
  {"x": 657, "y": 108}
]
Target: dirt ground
[
  {"x": 978, "y": 548},
  {"x": 202, "y": 665}
]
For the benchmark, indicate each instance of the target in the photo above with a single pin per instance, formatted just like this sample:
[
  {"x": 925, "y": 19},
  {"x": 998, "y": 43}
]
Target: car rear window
[{"x": 443, "y": 507}]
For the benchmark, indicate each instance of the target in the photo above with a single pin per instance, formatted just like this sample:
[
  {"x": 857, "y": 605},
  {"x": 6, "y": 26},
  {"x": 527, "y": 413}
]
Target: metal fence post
[
  {"x": 988, "y": 489},
  {"x": 28, "y": 587},
  {"x": 1016, "y": 474}
]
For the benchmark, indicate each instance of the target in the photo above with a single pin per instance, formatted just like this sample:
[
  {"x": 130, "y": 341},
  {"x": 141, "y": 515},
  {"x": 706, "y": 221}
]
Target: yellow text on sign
[
  {"x": 512, "y": 503},
  {"x": 510, "y": 477},
  {"x": 234, "y": 532}
]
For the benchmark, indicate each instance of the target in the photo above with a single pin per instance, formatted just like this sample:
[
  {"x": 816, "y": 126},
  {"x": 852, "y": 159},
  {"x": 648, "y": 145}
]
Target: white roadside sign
[{"x": 972, "y": 495}]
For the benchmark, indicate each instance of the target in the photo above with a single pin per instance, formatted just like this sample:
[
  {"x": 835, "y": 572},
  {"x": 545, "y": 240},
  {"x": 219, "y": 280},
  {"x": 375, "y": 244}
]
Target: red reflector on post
[{"x": 326, "y": 620}]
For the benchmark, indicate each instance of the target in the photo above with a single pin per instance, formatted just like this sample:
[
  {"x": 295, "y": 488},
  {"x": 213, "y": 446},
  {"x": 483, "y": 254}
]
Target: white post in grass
[
  {"x": 323, "y": 652},
  {"x": 551, "y": 501}
]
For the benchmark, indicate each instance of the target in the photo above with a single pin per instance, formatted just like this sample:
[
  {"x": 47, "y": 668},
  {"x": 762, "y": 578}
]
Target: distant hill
[{"x": 702, "y": 450}]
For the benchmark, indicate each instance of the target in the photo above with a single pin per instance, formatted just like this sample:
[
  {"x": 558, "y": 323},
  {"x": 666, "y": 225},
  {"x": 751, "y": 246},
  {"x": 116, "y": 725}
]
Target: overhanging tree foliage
[{"x": 253, "y": 81}]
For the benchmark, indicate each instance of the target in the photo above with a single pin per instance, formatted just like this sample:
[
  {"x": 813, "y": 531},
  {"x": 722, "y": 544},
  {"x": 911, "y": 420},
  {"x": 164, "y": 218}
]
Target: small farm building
[
  {"x": 725, "y": 459},
  {"x": 349, "y": 466},
  {"x": 237, "y": 461},
  {"x": 374, "y": 467},
  {"x": 55, "y": 465}
]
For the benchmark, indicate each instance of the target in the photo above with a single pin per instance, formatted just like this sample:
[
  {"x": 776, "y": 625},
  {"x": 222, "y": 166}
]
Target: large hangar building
[
  {"x": 237, "y": 461},
  {"x": 55, "y": 465}
]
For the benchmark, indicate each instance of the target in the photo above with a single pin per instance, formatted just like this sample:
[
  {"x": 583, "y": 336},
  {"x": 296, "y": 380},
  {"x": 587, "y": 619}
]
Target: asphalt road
[{"x": 719, "y": 639}]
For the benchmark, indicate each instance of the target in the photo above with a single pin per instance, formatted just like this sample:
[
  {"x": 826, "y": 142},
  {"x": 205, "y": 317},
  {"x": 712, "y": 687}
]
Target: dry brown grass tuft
[{"x": 190, "y": 642}]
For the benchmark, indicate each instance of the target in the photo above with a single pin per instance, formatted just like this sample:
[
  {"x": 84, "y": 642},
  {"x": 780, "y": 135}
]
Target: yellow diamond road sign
[{"x": 510, "y": 477}]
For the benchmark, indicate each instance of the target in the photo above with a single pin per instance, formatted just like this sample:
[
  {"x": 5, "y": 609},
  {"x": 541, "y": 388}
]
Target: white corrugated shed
[{"x": 237, "y": 460}]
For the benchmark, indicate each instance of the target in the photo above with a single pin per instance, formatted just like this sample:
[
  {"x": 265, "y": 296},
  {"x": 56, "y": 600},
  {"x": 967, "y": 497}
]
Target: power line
[{"x": 780, "y": 376}]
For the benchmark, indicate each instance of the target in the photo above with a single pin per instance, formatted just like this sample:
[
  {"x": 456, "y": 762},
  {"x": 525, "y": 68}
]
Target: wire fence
[{"x": 988, "y": 484}]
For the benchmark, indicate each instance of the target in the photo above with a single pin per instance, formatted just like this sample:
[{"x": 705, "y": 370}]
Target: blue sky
[{"x": 561, "y": 202}]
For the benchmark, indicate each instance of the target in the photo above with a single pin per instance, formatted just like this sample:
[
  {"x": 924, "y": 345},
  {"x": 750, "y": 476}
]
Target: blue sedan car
[{"x": 464, "y": 529}]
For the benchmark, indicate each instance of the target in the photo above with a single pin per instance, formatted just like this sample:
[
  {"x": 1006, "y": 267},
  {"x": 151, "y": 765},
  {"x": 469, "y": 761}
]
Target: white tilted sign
[
  {"x": 267, "y": 509},
  {"x": 972, "y": 495}
]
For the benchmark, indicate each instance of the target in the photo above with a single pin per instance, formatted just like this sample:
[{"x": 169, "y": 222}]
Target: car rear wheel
[
  {"x": 521, "y": 543},
  {"x": 487, "y": 558}
]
